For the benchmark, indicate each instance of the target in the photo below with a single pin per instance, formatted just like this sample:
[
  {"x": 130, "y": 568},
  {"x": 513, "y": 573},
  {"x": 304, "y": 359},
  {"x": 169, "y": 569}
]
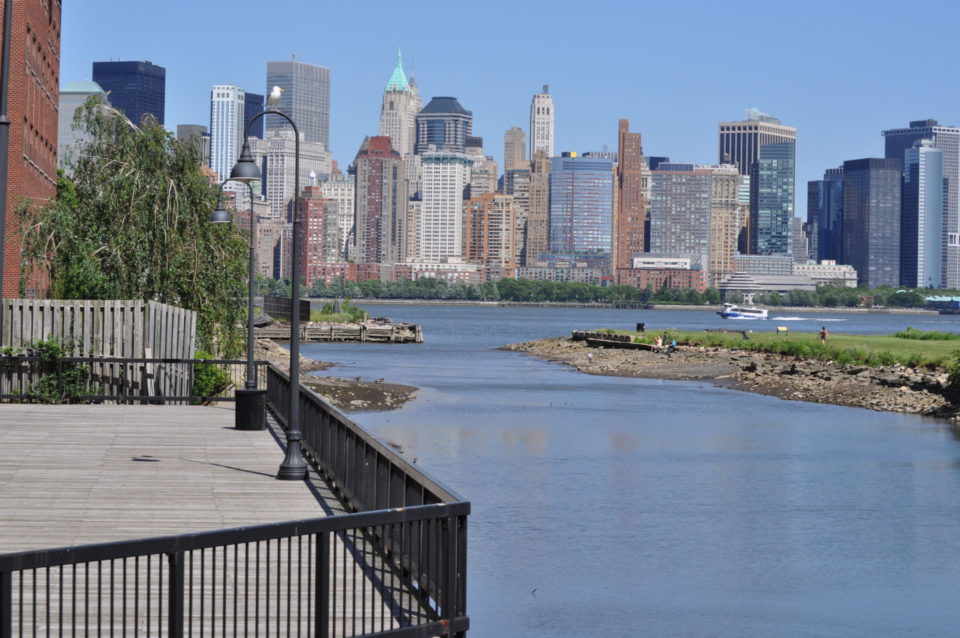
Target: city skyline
[{"x": 838, "y": 117}]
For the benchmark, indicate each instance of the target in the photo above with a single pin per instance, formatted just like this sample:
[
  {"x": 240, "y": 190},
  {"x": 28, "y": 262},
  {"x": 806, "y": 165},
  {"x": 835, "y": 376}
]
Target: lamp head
[
  {"x": 245, "y": 170},
  {"x": 220, "y": 216}
]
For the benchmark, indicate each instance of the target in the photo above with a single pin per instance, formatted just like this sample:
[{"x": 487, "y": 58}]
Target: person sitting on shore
[
  {"x": 657, "y": 343},
  {"x": 672, "y": 347}
]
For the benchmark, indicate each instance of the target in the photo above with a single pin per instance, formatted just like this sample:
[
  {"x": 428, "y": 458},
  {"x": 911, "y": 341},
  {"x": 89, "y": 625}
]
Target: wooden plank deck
[
  {"x": 75, "y": 474},
  {"x": 78, "y": 474}
]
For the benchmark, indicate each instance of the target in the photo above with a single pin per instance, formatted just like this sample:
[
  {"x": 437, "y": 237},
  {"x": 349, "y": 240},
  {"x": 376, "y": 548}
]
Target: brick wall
[{"x": 32, "y": 110}]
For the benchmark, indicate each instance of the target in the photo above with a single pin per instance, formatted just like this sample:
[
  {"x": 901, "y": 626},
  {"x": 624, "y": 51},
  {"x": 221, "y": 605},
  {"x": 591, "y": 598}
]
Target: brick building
[{"x": 29, "y": 102}]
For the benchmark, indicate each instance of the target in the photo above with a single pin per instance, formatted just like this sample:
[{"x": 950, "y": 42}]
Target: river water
[{"x": 607, "y": 506}]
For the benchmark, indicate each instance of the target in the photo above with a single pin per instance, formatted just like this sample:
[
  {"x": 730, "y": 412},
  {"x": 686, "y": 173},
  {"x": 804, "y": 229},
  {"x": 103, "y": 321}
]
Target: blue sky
[{"x": 839, "y": 71}]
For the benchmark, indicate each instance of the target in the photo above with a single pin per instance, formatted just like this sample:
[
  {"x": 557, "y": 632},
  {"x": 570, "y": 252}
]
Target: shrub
[
  {"x": 59, "y": 382},
  {"x": 208, "y": 379}
]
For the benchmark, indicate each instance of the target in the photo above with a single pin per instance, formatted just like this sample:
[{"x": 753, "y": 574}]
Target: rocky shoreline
[
  {"x": 893, "y": 388},
  {"x": 349, "y": 395}
]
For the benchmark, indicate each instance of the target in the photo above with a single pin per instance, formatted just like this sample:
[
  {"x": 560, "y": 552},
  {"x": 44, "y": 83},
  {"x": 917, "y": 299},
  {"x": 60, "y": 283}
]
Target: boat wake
[{"x": 817, "y": 319}]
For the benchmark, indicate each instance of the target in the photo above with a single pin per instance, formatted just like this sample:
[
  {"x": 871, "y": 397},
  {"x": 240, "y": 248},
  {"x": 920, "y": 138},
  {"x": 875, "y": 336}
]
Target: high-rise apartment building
[
  {"x": 227, "y": 107},
  {"x": 630, "y": 218},
  {"x": 276, "y": 157},
  {"x": 516, "y": 182},
  {"x": 305, "y": 98},
  {"x": 542, "y": 122},
  {"x": 484, "y": 172},
  {"x": 135, "y": 88},
  {"x": 69, "y": 138},
  {"x": 252, "y": 105},
  {"x": 921, "y": 217},
  {"x": 680, "y": 210},
  {"x": 381, "y": 203},
  {"x": 443, "y": 125},
  {"x": 489, "y": 233},
  {"x": 320, "y": 241},
  {"x": 581, "y": 205},
  {"x": 341, "y": 189},
  {"x": 947, "y": 139},
  {"x": 871, "y": 219},
  {"x": 398, "y": 113},
  {"x": 440, "y": 224},
  {"x": 28, "y": 164},
  {"x": 538, "y": 211},
  {"x": 514, "y": 149},
  {"x": 727, "y": 210},
  {"x": 772, "y": 199}
]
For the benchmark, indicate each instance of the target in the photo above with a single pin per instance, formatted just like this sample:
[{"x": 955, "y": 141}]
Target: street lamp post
[
  {"x": 293, "y": 467},
  {"x": 251, "y": 403}
]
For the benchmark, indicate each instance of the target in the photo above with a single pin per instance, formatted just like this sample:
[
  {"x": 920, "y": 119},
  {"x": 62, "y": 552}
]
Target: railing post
[
  {"x": 6, "y": 604},
  {"x": 321, "y": 602},
  {"x": 175, "y": 595},
  {"x": 449, "y": 545},
  {"x": 462, "y": 569}
]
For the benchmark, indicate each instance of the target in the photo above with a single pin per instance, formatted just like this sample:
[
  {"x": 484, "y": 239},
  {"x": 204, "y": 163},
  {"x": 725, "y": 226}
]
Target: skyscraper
[
  {"x": 305, "y": 98},
  {"x": 921, "y": 217},
  {"x": 69, "y": 139},
  {"x": 740, "y": 144},
  {"x": 630, "y": 218},
  {"x": 947, "y": 139},
  {"x": 825, "y": 215},
  {"x": 514, "y": 149},
  {"x": 581, "y": 205},
  {"x": 727, "y": 211},
  {"x": 484, "y": 171},
  {"x": 341, "y": 189},
  {"x": 252, "y": 104},
  {"x": 398, "y": 113},
  {"x": 227, "y": 122},
  {"x": 381, "y": 203},
  {"x": 135, "y": 88},
  {"x": 443, "y": 125},
  {"x": 538, "y": 212},
  {"x": 772, "y": 199},
  {"x": 542, "y": 122},
  {"x": 871, "y": 219},
  {"x": 440, "y": 225}
]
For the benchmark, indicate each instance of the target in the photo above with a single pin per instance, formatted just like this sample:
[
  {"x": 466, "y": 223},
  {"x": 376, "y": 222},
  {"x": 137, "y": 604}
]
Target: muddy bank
[
  {"x": 894, "y": 389},
  {"x": 349, "y": 395}
]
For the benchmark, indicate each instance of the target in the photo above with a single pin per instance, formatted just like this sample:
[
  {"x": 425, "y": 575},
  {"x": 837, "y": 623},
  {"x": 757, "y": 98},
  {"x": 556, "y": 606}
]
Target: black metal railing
[
  {"x": 122, "y": 380},
  {"x": 396, "y": 566}
]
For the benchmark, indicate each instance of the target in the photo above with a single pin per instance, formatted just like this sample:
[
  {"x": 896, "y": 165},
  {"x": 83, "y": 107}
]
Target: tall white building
[
  {"x": 541, "y": 122},
  {"x": 342, "y": 191},
  {"x": 276, "y": 158},
  {"x": 440, "y": 226},
  {"x": 398, "y": 114},
  {"x": 226, "y": 127}
]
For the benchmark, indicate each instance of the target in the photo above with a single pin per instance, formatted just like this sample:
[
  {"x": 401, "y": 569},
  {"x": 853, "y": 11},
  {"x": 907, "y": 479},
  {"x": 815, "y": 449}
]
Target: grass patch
[
  {"x": 930, "y": 335},
  {"x": 870, "y": 350}
]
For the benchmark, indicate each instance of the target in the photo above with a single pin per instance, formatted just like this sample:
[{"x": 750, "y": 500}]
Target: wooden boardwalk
[{"x": 78, "y": 474}]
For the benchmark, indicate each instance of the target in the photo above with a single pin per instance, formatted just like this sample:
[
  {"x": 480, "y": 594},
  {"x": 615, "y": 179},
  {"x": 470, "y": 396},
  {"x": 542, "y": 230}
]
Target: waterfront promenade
[{"x": 75, "y": 475}]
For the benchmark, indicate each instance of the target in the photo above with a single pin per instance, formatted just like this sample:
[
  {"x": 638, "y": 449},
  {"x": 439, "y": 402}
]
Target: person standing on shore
[{"x": 823, "y": 334}]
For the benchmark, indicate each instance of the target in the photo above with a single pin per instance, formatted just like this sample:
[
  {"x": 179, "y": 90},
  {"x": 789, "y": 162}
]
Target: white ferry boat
[{"x": 731, "y": 311}]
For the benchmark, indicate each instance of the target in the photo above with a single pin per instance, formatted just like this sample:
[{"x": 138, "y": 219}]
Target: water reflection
[{"x": 644, "y": 507}]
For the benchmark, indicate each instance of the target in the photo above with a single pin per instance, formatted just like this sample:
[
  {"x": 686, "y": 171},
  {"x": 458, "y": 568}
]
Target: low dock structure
[{"x": 366, "y": 332}]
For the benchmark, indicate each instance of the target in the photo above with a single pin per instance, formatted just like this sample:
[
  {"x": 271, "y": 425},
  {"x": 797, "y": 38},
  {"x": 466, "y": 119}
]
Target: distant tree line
[{"x": 527, "y": 290}]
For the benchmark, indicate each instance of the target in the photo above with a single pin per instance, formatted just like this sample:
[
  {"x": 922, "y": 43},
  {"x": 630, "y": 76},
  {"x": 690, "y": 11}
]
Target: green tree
[{"x": 134, "y": 223}]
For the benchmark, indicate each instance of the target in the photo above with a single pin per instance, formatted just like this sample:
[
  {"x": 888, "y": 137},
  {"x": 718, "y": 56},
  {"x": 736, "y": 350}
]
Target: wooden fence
[{"x": 126, "y": 329}]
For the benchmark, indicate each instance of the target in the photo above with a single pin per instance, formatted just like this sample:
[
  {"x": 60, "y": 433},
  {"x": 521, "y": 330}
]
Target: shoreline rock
[
  {"x": 892, "y": 388},
  {"x": 348, "y": 395}
]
